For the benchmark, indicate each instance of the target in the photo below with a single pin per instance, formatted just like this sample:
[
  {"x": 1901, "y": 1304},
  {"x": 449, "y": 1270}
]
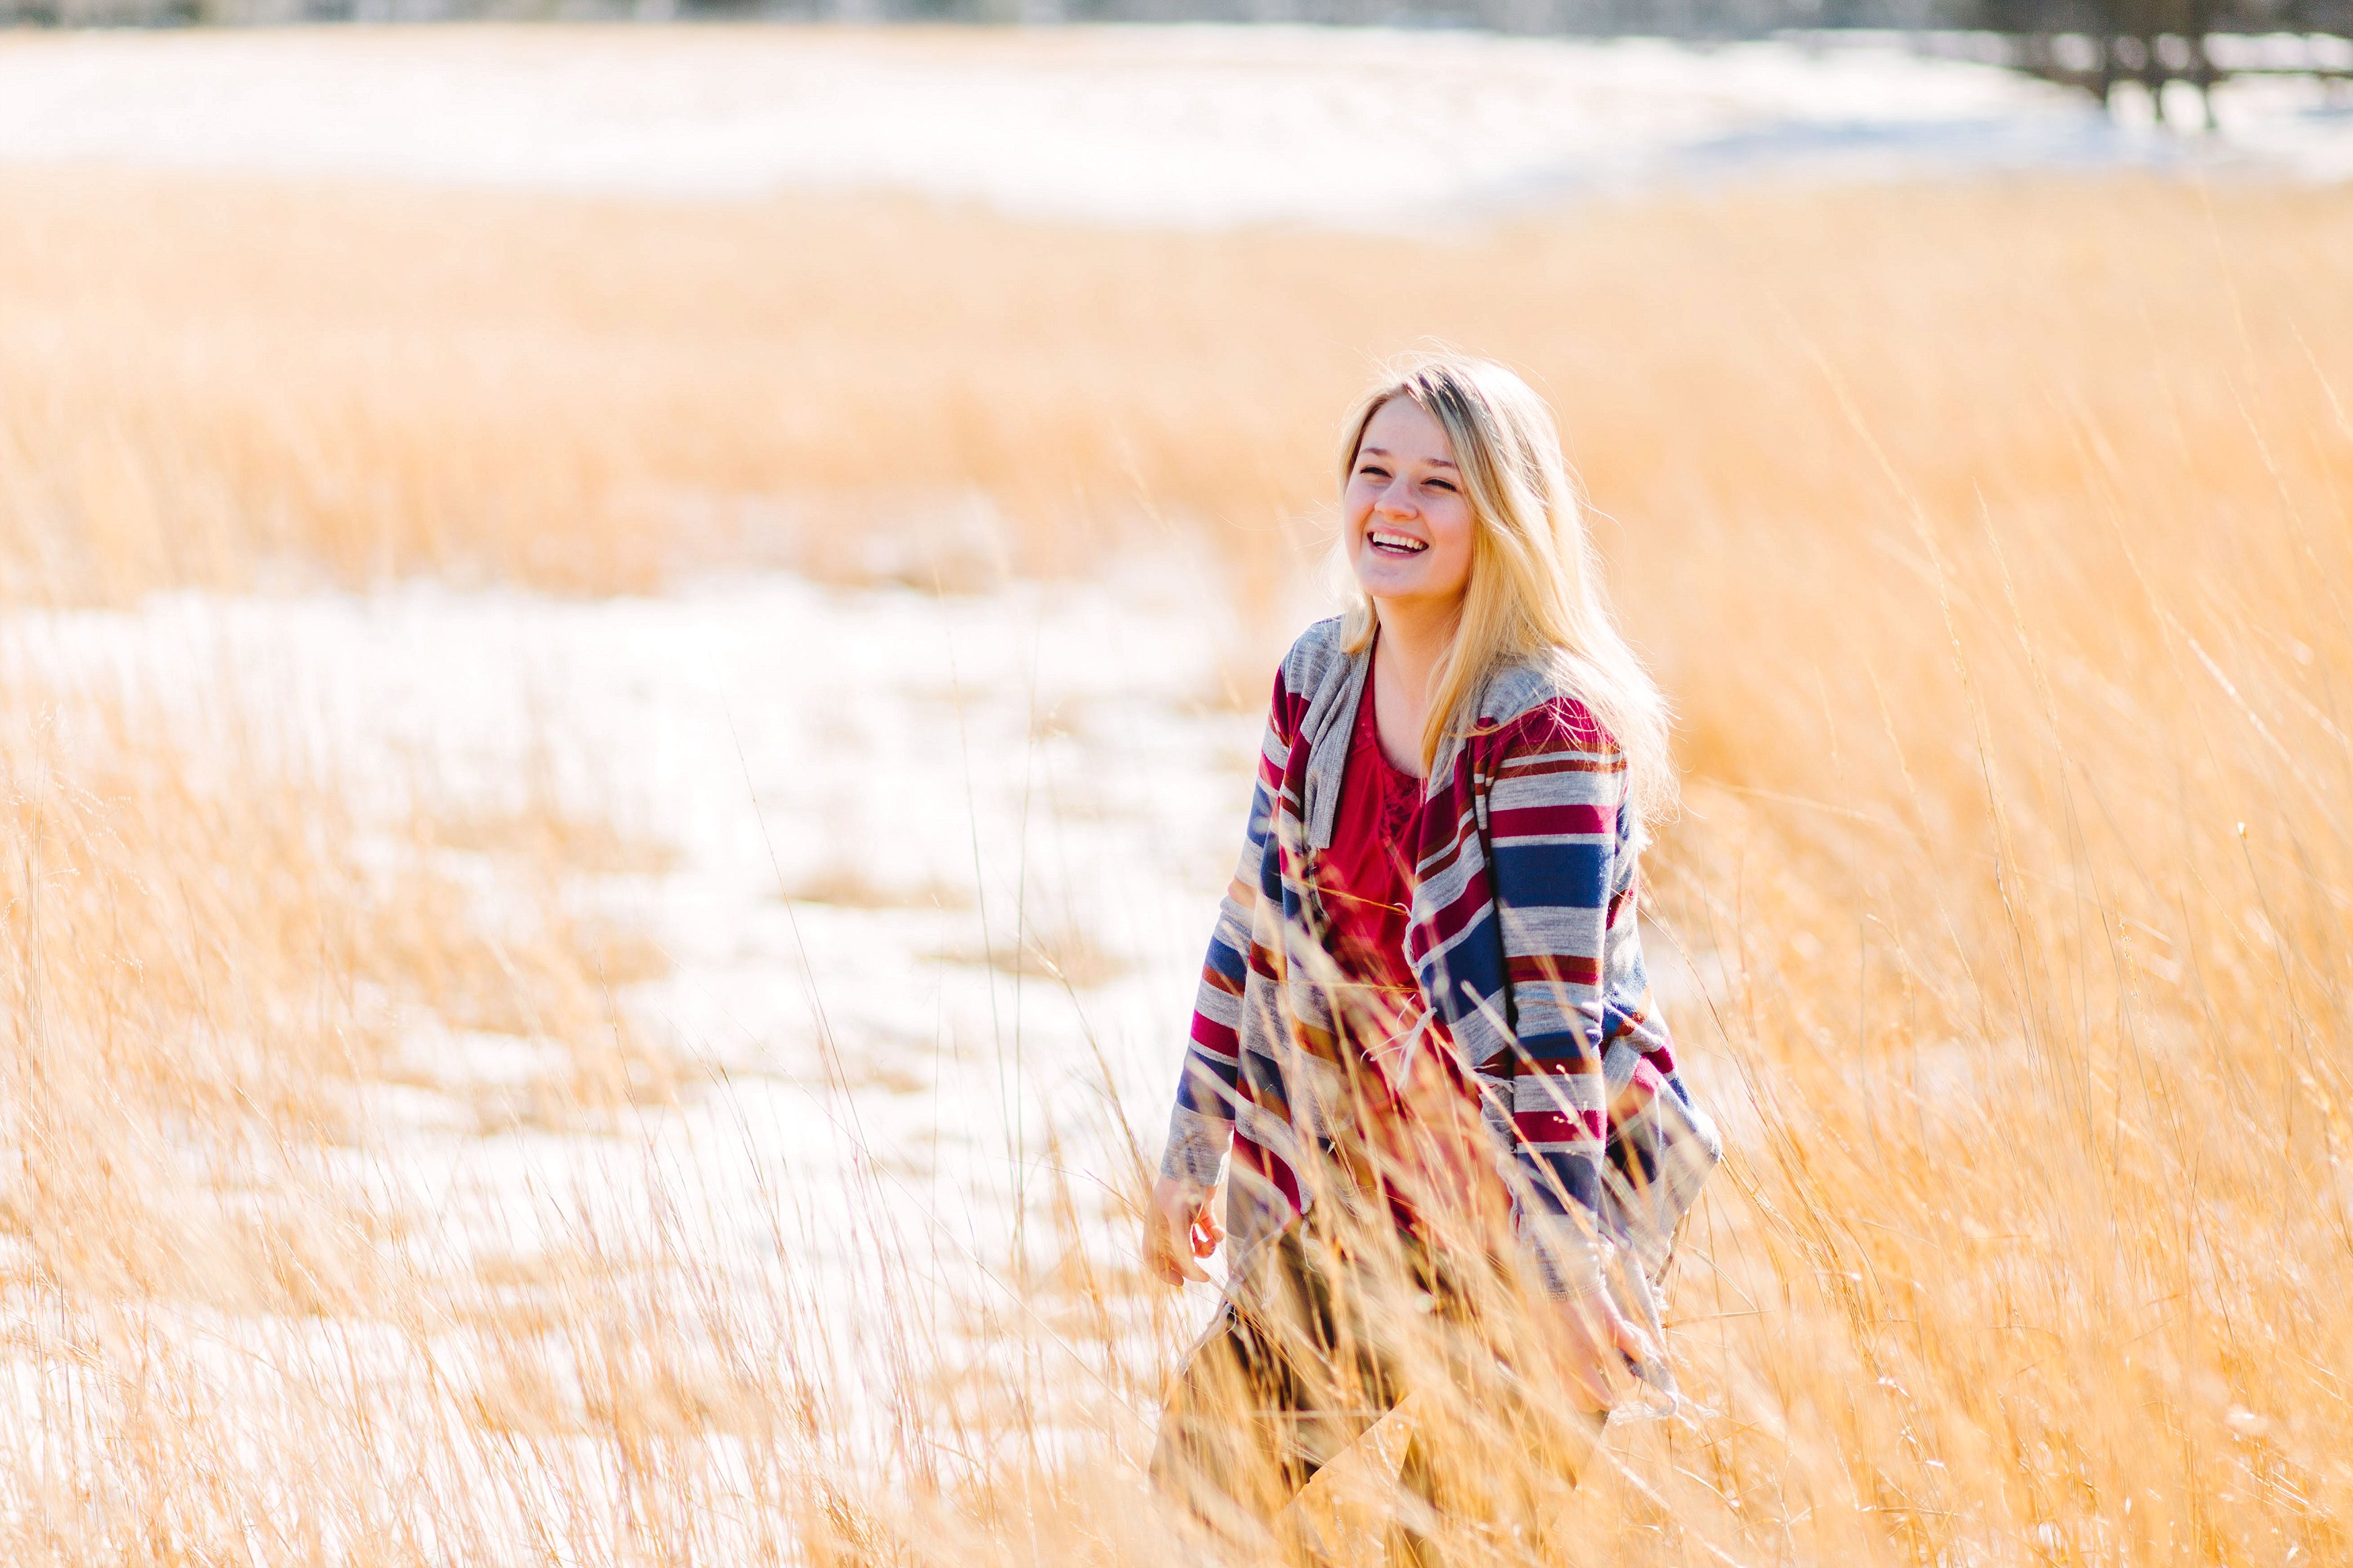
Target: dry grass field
[{"x": 1994, "y": 542}]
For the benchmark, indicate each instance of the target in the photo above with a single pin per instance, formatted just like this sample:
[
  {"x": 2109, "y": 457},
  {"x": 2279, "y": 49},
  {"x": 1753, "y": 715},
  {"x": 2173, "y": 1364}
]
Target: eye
[
  {"x": 1446, "y": 485},
  {"x": 1371, "y": 471}
]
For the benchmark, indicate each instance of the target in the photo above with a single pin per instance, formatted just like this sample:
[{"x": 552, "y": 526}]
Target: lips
[{"x": 1390, "y": 543}]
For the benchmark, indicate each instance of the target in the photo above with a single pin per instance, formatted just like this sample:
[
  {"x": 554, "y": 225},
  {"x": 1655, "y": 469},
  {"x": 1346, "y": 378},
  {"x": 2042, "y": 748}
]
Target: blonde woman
[{"x": 1424, "y": 1034}]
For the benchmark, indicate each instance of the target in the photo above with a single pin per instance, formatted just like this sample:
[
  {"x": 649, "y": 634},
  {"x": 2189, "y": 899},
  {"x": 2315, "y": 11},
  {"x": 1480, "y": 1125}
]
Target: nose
[{"x": 1396, "y": 498}]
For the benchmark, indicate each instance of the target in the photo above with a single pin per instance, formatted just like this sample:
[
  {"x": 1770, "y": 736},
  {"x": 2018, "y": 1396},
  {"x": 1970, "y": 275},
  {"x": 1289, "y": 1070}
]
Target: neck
[{"x": 1414, "y": 638}]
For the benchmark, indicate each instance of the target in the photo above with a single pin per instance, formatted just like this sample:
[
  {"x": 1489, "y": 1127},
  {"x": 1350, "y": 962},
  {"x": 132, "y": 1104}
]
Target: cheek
[{"x": 1456, "y": 544}]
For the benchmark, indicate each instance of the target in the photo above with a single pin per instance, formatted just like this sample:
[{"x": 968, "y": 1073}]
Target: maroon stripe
[
  {"x": 1560, "y": 721},
  {"x": 1580, "y": 817},
  {"x": 1437, "y": 863},
  {"x": 1464, "y": 911},
  {"x": 1216, "y": 1039},
  {"x": 1563, "y": 763},
  {"x": 1553, "y": 969},
  {"x": 1557, "y": 1126}
]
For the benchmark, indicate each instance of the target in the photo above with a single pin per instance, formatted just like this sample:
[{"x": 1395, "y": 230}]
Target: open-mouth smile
[{"x": 1390, "y": 543}]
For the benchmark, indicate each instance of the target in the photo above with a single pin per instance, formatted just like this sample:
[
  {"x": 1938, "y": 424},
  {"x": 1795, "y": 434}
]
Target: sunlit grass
[{"x": 1994, "y": 542}]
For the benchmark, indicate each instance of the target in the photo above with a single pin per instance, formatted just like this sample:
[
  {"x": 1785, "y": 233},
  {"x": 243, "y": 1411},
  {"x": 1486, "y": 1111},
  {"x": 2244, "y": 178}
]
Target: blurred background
[{"x": 631, "y": 641}]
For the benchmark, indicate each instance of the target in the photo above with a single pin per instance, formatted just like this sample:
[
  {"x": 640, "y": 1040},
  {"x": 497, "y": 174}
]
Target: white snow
[
  {"x": 871, "y": 1096},
  {"x": 1187, "y": 126}
]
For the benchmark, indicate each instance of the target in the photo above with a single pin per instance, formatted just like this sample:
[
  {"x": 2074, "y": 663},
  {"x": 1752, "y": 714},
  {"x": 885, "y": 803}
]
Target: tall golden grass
[{"x": 1994, "y": 542}]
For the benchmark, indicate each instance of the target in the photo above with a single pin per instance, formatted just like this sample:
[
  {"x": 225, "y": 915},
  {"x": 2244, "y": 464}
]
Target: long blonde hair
[{"x": 1534, "y": 592}]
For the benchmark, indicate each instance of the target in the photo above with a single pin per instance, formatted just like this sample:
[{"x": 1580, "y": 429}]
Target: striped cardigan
[{"x": 1523, "y": 936}]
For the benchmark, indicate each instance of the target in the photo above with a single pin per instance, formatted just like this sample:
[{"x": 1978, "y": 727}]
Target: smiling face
[{"x": 1408, "y": 517}]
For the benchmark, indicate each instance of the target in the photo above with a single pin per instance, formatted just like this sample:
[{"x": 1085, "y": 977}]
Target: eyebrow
[{"x": 1383, "y": 451}]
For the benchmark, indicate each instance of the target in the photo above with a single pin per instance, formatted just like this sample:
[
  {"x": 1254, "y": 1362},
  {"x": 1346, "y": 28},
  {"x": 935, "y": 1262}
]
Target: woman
[{"x": 1424, "y": 1028}]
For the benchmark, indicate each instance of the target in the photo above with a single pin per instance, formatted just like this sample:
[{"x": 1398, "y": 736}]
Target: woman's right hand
[
  {"x": 1180, "y": 1228},
  {"x": 1595, "y": 1348}
]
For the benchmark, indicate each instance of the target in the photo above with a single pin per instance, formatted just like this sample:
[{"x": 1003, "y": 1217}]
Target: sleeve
[
  {"x": 1553, "y": 810},
  {"x": 1201, "y": 1126}
]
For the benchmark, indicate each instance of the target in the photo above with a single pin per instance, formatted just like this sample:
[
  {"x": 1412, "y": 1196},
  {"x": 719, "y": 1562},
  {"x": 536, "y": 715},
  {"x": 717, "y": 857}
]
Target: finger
[
  {"x": 1588, "y": 1386},
  {"x": 1176, "y": 1246},
  {"x": 1589, "y": 1352},
  {"x": 1633, "y": 1341},
  {"x": 1158, "y": 1263},
  {"x": 1177, "y": 1259}
]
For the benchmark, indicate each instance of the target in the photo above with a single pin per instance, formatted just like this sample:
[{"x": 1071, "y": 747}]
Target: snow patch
[{"x": 1366, "y": 128}]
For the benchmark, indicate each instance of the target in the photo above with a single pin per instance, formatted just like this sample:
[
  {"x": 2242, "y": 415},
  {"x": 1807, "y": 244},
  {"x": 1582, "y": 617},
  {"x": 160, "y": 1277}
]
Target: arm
[
  {"x": 1563, "y": 879},
  {"x": 1201, "y": 1126},
  {"x": 1553, "y": 819}
]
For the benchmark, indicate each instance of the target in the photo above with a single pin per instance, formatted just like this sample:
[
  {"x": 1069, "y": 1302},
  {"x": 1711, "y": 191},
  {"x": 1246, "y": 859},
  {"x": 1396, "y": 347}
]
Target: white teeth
[{"x": 1396, "y": 541}]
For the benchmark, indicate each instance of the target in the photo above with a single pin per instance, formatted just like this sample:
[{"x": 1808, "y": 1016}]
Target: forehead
[{"x": 1404, "y": 429}]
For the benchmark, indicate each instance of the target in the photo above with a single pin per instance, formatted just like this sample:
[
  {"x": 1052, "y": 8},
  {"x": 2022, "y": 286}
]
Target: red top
[
  {"x": 1365, "y": 881},
  {"x": 1367, "y": 877}
]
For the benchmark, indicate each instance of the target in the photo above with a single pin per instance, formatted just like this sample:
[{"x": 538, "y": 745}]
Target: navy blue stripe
[
  {"x": 1228, "y": 961},
  {"x": 1556, "y": 1180},
  {"x": 1557, "y": 1047},
  {"x": 1534, "y": 875}
]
